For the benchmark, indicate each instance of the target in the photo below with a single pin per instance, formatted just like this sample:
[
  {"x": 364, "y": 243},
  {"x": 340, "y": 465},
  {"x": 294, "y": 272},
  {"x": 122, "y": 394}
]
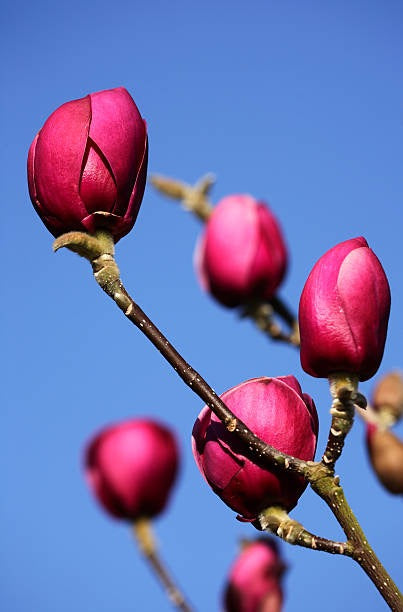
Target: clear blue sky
[{"x": 299, "y": 103}]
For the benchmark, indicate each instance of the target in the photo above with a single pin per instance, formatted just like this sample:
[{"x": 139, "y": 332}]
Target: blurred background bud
[
  {"x": 254, "y": 581},
  {"x": 242, "y": 255},
  {"x": 131, "y": 468}
]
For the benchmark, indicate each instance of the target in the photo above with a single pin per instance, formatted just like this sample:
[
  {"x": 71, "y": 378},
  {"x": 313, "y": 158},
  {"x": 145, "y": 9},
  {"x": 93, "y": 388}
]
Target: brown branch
[{"x": 107, "y": 275}]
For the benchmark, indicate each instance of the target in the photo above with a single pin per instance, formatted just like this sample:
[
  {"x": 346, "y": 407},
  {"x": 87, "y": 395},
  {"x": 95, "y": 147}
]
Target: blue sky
[{"x": 298, "y": 103}]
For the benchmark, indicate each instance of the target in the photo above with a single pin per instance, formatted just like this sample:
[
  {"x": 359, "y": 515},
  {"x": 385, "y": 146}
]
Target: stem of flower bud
[
  {"x": 343, "y": 388},
  {"x": 145, "y": 539},
  {"x": 262, "y": 314}
]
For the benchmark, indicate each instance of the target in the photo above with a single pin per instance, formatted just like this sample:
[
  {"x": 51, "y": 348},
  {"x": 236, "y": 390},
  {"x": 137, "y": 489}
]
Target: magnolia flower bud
[
  {"x": 277, "y": 411},
  {"x": 131, "y": 468},
  {"x": 387, "y": 396},
  {"x": 385, "y": 452},
  {"x": 344, "y": 312},
  {"x": 242, "y": 255},
  {"x": 254, "y": 581},
  {"x": 87, "y": 165}
]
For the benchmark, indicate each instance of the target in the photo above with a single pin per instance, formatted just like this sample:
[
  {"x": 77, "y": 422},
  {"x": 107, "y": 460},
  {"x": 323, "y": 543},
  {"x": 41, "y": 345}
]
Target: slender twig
[
  {"x": 194, "y": 198},
  {"x": 262, "y": 314},
  {"x": 99, "y": 250},
  {"x": 145, "y": 539},
  {"x": 276, "y": 521},
  {"x": 107, "y": 275}
]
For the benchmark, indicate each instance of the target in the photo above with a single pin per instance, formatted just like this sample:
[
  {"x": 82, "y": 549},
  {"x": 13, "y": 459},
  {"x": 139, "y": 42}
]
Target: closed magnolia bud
[
  {"x": 131, "y": 468},
  {"x": 277, "y": 411},
  {"x": 87, "y": 166},
  {"x": 254, "y": 581},
  {"x": 344, "y": 312},
  {"x": 242, "y": 255},
  {"x": 387, "y": 396},
  {"x": 385, "y": 452}
]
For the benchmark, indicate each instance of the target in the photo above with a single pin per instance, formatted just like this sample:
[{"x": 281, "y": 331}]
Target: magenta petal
[
  {"x": 97, "y": 188},
  {"x": 229, "y": 254},
  {"x": 270, "y": 262},
  {"x": 199, "y": 263},
  {"x": 118, "y": 130},
  {"x": 130, "y": 215},
  {"x": 58, "y": 160},
  {"x": 30, "y": 168}
]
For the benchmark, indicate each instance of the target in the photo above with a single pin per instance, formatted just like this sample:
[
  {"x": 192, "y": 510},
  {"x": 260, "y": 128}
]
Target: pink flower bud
[
  {"x": 277, "y": 411},
  {"x": 385, "y": 452},
  {"x": 254, "y": 583},
  {"x": 87, "y": 166},
  {"x": 131, "y": 468},
  {"x": 344, "y": 311},
  {"x": 242, "y": 255}
]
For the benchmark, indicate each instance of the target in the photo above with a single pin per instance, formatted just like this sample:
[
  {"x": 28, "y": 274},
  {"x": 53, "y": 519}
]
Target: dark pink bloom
[
  {"x": 254, "y": 582},
  {"x": 87, "y": 166},
  {"x": 131, "y": 468},
  {"x": 277, "y": 411},
  {"x": 242, "y": 255},
  {"x": 344, "y": 312}
]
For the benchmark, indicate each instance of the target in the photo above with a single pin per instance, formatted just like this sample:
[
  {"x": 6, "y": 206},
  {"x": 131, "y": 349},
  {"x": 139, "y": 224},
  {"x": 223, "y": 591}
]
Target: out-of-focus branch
[
  {"x": 195, "y": 199},
  {"x": 142, "y": 531}
]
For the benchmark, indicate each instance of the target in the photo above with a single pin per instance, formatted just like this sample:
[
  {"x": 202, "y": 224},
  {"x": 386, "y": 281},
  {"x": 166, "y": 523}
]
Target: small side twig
[
  {"x": 276, "y": 521},
  {"x": 193, "y": 197},
  {"x": 262, "y": 315}
]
